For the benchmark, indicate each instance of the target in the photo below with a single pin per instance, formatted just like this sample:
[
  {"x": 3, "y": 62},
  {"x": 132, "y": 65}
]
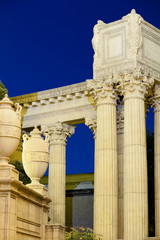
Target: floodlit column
[
  {"x": 105, "y": 183},
  {"x": 135, "y": 86},
  {"x": 57, "y": 171},
  {"x": 92, "y": 124},
  {"x": 157, "y": 158},
  {"x": 120, "y": 138}
]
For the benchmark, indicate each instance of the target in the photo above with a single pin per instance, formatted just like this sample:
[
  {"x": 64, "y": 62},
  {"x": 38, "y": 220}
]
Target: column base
[{"x": 55, "y": 232}]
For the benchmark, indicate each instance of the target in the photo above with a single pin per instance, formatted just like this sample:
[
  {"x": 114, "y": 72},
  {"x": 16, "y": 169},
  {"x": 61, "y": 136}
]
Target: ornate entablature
[
  {"x": 125, "y": 45},
  {"x": 121, "y": 49},
  {"x": 55, "y": 95}
]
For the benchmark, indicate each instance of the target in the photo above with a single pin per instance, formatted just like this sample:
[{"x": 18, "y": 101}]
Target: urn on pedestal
[
  {"x": 10, "y": 128},
  {"x": 35, "y": 155}
]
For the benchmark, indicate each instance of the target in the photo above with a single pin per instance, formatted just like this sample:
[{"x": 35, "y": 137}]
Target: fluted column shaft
[
  {"x": 120, "y": 152},
  {"x": 135, "y": 157},
  {"x": 106, "y": 157},
  {"x": 56, "y": 183},
  {"x": 57, "y": 171},
  {"x": 157, "y": 158},
  {"x": 105, "y": 183}
]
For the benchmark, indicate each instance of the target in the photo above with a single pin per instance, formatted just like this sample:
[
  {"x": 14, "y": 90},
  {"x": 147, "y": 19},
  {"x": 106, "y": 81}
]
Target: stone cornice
[{"x": 51, "y": 96}]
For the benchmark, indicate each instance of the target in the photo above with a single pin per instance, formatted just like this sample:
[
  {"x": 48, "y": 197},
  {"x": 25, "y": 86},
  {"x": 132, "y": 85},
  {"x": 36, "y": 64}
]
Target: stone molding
[
  {"x": 58, "y": 132},
  {"x": 126, "y": 66}
]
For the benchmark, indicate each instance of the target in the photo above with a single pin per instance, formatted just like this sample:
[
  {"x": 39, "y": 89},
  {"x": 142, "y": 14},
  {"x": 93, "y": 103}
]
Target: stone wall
[{"x": 23, "y": 211}]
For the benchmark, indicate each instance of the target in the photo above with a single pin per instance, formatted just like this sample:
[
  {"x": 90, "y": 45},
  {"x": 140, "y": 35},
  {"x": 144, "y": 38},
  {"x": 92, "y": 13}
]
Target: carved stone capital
[
  {"x": 135, "y": 83},
  {"x": 156, "y": 98},
  {"x": 59, "y": 132},
  {"x": 103, "y": 89},
  {"x": 120, "y": 121},
  {"x": 92, "y": 124}
]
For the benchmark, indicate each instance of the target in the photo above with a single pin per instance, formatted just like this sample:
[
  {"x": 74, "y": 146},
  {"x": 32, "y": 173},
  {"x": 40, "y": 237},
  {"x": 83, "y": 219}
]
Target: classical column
[
  {"x": 57, "y": 170},
  {"x": 120, "y": 140},
  {"x": 105, "y": 183},
  {"x": 91, "y": 122},
  {"x": 157, "y": 158},
  {"x": 135, "y": 85}
]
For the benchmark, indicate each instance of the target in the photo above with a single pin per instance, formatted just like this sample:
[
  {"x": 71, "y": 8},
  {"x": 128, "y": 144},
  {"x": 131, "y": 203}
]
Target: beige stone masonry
[
  {"x": 55, "y": 232},
  {"x": 23, "y": 212}
]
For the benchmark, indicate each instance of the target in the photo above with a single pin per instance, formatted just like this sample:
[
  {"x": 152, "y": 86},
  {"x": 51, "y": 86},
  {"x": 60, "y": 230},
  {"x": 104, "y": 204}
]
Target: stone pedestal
[
  {"x": 105, "y": 188},
  {"x": 23, "y": 211},
  {"x": 157, "y": 158},
  {"x": 57, "y": 171}
]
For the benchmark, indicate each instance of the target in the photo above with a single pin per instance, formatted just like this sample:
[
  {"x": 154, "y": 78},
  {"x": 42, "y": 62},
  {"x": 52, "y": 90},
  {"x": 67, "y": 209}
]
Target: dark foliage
[
  {"x": 3, "y": 90},
  {"x": 22, "y": 175}
]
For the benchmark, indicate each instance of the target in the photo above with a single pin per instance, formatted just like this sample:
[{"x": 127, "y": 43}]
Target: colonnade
[{"x": 120, "y": 178}]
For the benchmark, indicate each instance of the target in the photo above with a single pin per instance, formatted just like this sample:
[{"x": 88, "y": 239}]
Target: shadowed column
[
  {"x": 157, "y": 158},
  {"x": 120, "y": 137},
  {"x": 92, "y": 124}
]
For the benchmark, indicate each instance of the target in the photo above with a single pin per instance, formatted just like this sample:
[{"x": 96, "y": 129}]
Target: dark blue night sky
[{"x": 47, "y": 44}]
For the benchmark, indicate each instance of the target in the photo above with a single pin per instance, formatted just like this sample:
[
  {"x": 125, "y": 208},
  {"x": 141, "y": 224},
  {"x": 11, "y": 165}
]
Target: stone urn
[
  {"x": 35, "y": 155},
  {"x": 10, "y": 128}
]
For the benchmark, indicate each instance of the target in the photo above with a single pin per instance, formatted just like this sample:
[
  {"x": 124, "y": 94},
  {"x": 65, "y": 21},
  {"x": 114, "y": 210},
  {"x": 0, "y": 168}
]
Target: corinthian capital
[
  {"x": 103, "y": 89},
  {"x": 92, "y": 124},
  {"x": 136, "y": 83},
  {"x": 156, "y": 98},
  {"x": 59, "y": 132}
]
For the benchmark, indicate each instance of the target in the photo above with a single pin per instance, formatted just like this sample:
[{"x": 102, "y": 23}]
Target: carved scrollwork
[
  {"x": 135, "y": 83},
  {"x": 58, "y": 132},
  {"x": 103, "y": 87},
  {"x": 92, "y": 124}
]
